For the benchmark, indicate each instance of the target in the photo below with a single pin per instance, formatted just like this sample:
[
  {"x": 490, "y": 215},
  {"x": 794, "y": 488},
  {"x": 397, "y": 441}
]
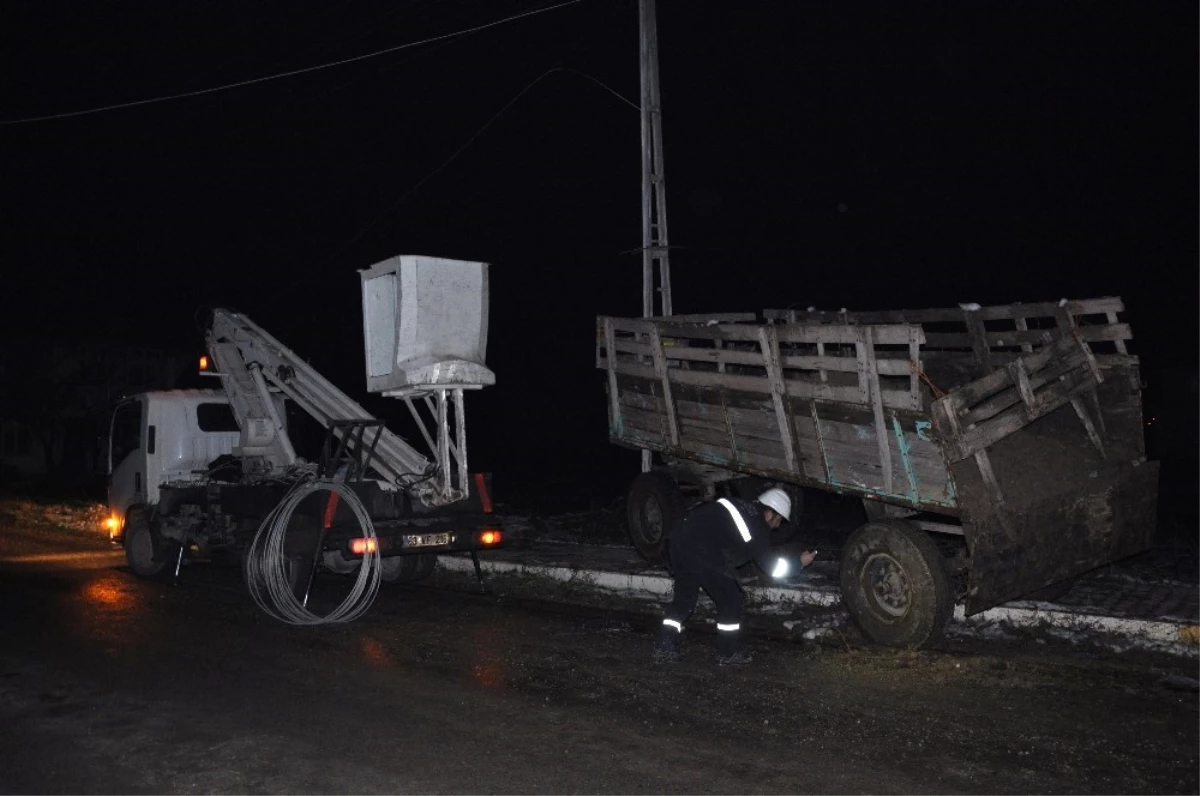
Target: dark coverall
[{"x": 705, "y": 547}]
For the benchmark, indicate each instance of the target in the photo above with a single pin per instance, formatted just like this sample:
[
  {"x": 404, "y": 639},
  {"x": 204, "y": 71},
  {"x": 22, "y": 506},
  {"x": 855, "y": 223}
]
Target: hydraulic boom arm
[{"x": 247, "y": 358}]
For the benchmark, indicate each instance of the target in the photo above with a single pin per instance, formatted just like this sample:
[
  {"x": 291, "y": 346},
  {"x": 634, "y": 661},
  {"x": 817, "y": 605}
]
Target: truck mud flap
[{"x": 1020, "y": 548}]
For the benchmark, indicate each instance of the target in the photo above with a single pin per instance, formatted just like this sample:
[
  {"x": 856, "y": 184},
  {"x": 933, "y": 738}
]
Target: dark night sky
[{"x": 865, "y": 155}]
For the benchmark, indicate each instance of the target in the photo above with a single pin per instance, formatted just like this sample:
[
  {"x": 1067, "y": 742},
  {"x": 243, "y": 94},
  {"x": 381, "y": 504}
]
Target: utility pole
[{"x": 654, "y": 186}]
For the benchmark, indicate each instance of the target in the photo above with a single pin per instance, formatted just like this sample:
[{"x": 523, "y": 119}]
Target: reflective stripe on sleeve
[
  {"x": 781, "y": 568},
  {"x": 673, "y": 623},
  {"x": 729, "y": 628},
  {"x": 737, "y": 519}
]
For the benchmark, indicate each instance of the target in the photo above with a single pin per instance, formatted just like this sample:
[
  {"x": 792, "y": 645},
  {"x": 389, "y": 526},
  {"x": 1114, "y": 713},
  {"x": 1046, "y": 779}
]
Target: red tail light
[{"x": 490, "y": 537}]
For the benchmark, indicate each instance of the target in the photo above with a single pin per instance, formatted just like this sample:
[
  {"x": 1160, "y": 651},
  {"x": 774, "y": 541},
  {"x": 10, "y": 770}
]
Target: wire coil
[{"x": 267, "y": 574}]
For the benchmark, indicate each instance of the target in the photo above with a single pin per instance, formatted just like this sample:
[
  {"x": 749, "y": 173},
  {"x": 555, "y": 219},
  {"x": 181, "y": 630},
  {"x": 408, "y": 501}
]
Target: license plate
[{"x": 426, "y": 539}]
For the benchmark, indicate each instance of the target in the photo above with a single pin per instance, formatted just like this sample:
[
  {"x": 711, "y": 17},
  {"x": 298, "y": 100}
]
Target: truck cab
[{"x": 164, "y": 437}]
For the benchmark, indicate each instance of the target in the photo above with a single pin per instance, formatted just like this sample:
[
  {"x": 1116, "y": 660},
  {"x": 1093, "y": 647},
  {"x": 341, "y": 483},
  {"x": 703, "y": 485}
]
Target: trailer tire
[
  {"x": 894, "y": 584},
  {"x": 141, "y": 545},
  {"x": 654, "y": 505}
]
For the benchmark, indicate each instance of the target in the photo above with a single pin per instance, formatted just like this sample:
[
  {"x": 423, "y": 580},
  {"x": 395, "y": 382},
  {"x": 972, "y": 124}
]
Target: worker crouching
[{"x": 706, "y": 546}]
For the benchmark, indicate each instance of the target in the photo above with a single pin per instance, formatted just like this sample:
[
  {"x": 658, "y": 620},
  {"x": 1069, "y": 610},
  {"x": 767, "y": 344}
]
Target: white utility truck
[{"x": 206, "y": 473}]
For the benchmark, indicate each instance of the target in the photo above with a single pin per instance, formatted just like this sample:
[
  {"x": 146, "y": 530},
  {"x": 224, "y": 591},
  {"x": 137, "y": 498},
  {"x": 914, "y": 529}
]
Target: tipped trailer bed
[{"x": 1017, "y": 427}]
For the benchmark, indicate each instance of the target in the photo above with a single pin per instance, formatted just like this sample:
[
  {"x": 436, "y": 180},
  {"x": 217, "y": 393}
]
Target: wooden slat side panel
[
  {"x": 1097, "y": 306},
  {"x": 890, "y": 334},
  {"x": 1037, "y": 337},
  {"x": 814, "y": 362},
  {"x": 812, "y": 460},
  {"x": 693, "y": 433},
  {"x": 701, "y": 318},
  {"x": 922, "y": 475},
  {"x": 1016, "y": 418},
  {"x": 650, "y": 403},
  {"x": 677, "y": 355},
  {"x": 893, "y": 397},
  {"x": 1062, "y": 350},
  {"x": 1006, "y": 331}
]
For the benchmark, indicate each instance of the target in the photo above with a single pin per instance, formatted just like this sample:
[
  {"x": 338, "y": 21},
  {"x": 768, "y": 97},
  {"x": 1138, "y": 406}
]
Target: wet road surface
[{"x": 109, "y": 683}]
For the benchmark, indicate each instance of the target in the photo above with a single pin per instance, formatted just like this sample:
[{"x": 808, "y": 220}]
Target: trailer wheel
[
  {"x": 141, "y": 545},
  {"x": 655, "y": 503},
  {"x": 894, "y": 584}
]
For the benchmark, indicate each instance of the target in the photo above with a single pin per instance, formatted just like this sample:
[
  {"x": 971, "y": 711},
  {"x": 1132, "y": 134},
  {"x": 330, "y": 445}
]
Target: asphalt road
[{"x": 111, "y": 684}]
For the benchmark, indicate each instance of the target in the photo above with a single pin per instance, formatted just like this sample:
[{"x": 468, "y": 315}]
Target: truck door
[{"x": 127, "y": 457}]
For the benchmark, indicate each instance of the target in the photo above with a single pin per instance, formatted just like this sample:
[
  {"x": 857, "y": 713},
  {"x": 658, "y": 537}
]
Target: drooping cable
[{"x": 305, "y": 70}]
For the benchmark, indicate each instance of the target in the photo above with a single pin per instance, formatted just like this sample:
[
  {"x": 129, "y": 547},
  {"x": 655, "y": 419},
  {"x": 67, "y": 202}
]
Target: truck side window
[
  {"x": 215, "y": 417},
  {"x": 126, "y": 431}
]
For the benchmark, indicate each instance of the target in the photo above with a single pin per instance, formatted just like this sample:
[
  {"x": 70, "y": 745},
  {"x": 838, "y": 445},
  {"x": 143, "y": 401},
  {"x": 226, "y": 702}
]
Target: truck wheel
[
  {"x": 399, "y": 569},
  {"x": 296, "y": 569},
  {"x": 654, "y": 505},
  {"x": 391, "y": 568},
  {"x": 408, "y": 569},
  {"x": 141, "y": 544},
  {"x": 894, "y": 584},
  {"x": 426, "y": 564}
]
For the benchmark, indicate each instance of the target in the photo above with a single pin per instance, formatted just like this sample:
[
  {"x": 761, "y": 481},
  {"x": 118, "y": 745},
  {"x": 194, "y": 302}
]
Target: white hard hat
[{"x": 778, "y": 501}]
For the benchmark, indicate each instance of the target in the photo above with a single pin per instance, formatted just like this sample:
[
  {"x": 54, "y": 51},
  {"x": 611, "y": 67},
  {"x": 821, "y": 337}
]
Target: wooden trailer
[{"x": 1018, "y": 427}]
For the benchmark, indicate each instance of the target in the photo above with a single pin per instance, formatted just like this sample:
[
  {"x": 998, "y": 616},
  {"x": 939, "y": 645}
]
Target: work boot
[
  {"x": 729, "y": 646},
  {"x": 739, "y": 658},
  {"x": 666, "y": 645}
]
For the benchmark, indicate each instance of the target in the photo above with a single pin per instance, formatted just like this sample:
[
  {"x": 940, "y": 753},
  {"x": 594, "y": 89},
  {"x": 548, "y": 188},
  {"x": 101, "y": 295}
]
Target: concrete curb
[
  {"x": 654, "y": 585},
  {"x": 1178, "y": 637}
]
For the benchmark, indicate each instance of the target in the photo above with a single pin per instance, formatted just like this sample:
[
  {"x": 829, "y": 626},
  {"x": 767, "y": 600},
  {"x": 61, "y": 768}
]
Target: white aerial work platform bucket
[{"x": 425, "y": 322}]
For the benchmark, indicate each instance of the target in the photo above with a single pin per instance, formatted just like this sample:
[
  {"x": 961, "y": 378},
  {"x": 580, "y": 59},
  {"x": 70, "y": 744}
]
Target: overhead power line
[
  {"x": 454, "y": 156},
  {"x": 281, "y": 75},
  {"x": 316, "y": 269}
]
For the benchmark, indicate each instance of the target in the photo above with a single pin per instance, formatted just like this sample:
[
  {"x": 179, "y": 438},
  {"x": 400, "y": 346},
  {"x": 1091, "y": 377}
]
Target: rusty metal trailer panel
[{"x": 1021, "y": 421}]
